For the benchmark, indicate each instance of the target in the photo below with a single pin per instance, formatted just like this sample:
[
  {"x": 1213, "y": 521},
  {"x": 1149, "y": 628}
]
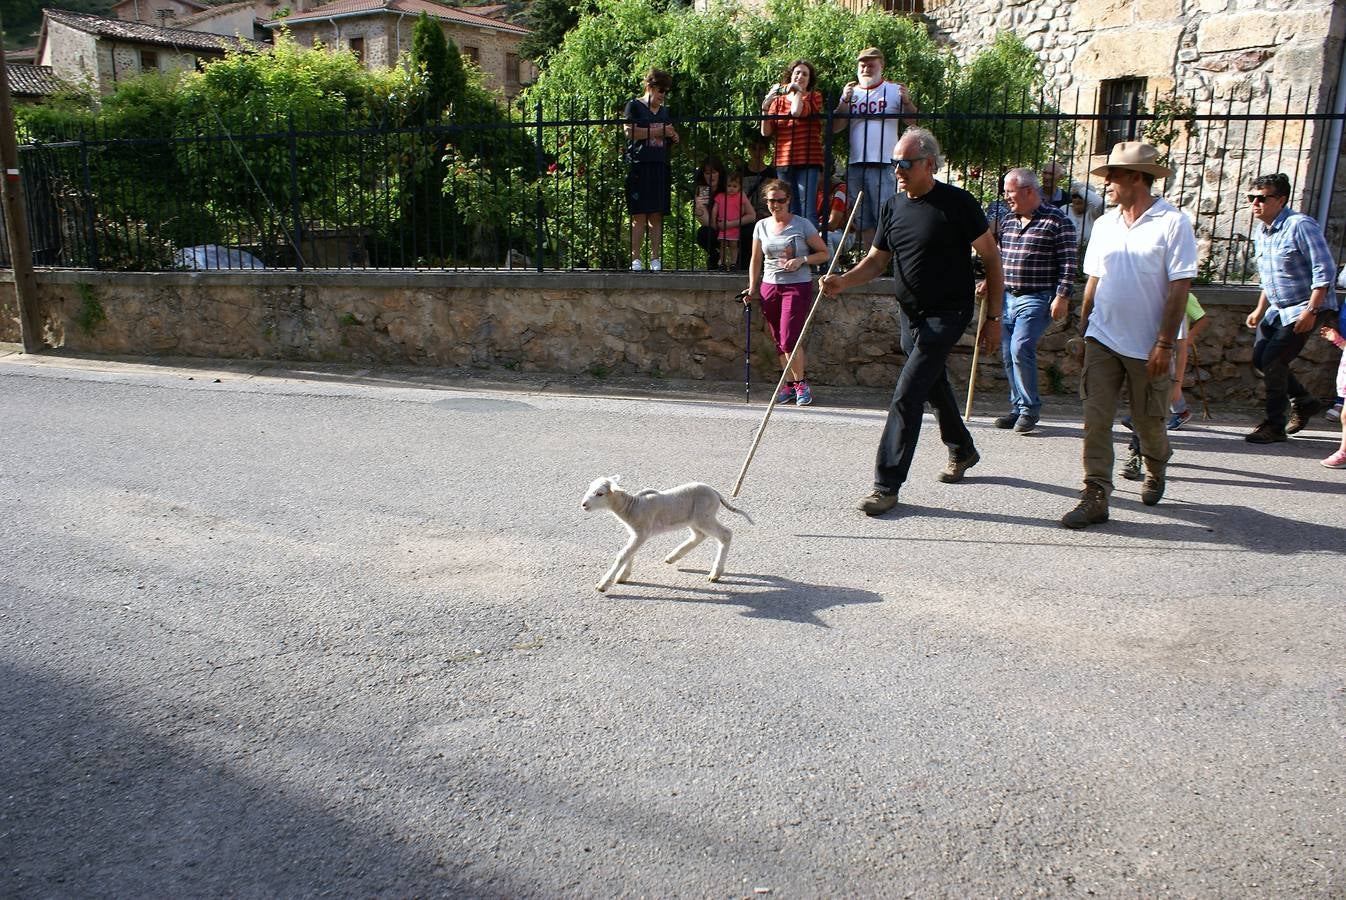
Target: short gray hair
[
  {"x": 927, "y": 144},
  {"x": 1024, "y": 178}
]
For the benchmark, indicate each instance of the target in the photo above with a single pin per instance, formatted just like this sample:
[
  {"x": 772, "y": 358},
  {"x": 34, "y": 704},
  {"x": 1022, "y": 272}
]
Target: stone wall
[
  {"x": 71, "y": 53},
  {"x": 675, "y": 325},
  {"x": 1219, "y": 48}
]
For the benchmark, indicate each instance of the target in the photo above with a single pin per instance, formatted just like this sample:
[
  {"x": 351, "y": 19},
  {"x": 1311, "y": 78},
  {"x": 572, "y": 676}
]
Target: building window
[
  {"x": 1117, "y": 99},
  {"x": 149, "y": 61},
  {"x": 473, "y": 54},
  {"x": 163, "y": 14},
  {"x": 512, "y": 69},
  {"x": 357, "y": 46}
]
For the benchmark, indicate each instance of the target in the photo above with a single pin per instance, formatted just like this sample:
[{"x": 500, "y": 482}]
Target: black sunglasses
[
  {"x": 1262, "y": 198},
  {"x": 906, "y": 164}
]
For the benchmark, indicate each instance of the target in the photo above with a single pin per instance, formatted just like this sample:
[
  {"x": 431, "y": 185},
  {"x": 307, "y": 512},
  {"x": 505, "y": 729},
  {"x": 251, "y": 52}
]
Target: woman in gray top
[{"x": 780, "y": 278}]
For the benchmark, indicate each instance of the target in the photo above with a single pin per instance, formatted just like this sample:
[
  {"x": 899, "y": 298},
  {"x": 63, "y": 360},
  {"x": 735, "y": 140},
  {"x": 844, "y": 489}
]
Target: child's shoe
[
  {"x": 1179, "y": 419},
  {"x": 803, "y": 396},
  {"x": 1336, "y": 460}
]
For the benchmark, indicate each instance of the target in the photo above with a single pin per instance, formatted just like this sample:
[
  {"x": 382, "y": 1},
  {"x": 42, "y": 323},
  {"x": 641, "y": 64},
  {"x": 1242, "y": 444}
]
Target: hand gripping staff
[{"x": 803, "y": 332}]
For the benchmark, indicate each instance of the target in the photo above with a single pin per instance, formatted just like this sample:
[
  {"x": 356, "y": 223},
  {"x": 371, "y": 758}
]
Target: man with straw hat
[{"x": 1140, "y": 263}]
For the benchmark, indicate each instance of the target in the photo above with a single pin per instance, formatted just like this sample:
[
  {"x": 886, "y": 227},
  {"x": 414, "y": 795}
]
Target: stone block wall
[{"x": 675, "y": 325}]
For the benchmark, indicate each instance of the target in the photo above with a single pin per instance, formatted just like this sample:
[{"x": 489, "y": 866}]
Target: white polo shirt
[{"x": 1134, "y": 266}]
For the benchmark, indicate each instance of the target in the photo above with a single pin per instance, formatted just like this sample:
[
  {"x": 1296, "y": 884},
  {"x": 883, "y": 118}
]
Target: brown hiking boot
[
  {"x": 1265, "y": 434},
  {"x": 1300, "y": 413},
  {"x": 878, "y": 503},
  {"x": 957, "y": 467},
  {"x": 1152, "y": 491},
  {"x": 1092, "y": 510}
]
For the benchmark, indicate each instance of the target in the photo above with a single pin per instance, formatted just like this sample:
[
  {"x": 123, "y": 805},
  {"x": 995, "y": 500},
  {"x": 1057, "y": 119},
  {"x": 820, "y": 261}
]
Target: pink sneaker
[{"x": 1336, "y": 460}]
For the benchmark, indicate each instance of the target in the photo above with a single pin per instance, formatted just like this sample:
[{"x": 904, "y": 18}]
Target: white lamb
[{"x": 649, "y": 512}]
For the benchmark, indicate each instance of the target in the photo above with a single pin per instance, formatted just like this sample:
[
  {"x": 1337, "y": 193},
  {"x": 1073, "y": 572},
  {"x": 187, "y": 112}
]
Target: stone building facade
[
  {"x": 380, "y": 31},
  {"x": 1239, "y": 57},
  {"x": 84, "y": 49}
]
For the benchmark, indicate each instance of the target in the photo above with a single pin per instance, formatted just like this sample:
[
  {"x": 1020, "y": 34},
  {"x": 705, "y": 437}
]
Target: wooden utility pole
[{"x": 11, "y": 186}]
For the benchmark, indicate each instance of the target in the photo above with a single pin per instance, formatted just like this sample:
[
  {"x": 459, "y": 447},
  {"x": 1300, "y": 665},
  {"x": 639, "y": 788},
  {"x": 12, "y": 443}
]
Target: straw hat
[{"x": 1136, "y": 155}]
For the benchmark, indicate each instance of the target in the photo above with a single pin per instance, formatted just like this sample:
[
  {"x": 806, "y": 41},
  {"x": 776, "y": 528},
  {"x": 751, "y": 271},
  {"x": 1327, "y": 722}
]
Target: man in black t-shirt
[{"x": 928, "y": 231}]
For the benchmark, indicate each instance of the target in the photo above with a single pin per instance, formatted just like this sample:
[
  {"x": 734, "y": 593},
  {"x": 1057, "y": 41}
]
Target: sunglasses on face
[
  {"x": 1261, "y": 198},
  {"x": 906, "y": 164}
]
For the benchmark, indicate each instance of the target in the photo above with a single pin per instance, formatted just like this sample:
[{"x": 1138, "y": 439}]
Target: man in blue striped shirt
[
  {"x": 1037, "y": 247},
  {"x": 1296, "y": 269}
]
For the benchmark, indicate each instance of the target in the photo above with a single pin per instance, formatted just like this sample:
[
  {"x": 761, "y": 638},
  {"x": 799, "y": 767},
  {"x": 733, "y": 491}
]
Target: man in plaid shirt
[
  {"x": 1037, "y": 245},
  {"x": 1295, "y": 267}
]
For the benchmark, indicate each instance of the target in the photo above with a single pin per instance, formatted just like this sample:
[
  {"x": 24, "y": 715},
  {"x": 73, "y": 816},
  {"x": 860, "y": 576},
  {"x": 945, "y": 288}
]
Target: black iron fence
[{"x": 545, "y": 189}]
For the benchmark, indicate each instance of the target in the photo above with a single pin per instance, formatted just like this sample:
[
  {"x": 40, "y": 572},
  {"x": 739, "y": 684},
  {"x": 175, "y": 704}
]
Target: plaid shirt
[
  {"x": 1292, "y": 260},
  {"x": 1038, "y": 255}
]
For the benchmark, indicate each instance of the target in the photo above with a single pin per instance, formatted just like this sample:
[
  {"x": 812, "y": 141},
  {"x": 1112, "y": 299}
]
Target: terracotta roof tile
[
  {"x": 211, "y": 13},
  {"x": 412, "y": 7}
]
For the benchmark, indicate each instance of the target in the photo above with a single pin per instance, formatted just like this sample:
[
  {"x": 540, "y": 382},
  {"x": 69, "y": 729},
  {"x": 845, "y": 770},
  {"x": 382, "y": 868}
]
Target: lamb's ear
[{"x": 614, "y": 478}]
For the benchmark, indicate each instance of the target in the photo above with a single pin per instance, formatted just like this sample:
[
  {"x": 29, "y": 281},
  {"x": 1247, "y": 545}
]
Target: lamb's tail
[{"x": 732, "y": 508}]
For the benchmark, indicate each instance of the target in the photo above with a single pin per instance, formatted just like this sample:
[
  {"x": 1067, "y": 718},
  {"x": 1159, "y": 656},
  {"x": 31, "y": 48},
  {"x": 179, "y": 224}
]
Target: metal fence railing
[{"x": 545, "y": 189}]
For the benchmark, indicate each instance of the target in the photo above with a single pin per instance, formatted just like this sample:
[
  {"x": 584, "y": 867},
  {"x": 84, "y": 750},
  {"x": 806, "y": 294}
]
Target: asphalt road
[{"x": 336, "y": 634}]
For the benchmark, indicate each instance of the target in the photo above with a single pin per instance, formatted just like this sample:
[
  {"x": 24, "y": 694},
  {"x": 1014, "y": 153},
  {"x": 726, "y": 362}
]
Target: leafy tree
[
  {"x": 550, "y": 21},
  {"x": 722, "y": 60},
  {"x": 437, "y": 58}
]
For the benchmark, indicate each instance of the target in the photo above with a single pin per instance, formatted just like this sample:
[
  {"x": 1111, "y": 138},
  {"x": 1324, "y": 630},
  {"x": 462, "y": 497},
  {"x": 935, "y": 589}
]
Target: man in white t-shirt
[
  {"x": 1140, "y": 263},
  {"x": 872, "y": 108}
]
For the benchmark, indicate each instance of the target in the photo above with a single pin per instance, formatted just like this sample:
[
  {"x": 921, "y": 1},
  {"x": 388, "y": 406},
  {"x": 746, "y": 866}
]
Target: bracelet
[
  {"x": 993, "y": 318},
  {"x": 1163, "y": 345}
]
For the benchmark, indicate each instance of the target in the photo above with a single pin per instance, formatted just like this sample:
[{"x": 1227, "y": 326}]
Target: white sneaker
[
  {"x": 1334, "y": 413},
  {"x": 636, "y": 266},
  {"x": 656, "y": 265}
]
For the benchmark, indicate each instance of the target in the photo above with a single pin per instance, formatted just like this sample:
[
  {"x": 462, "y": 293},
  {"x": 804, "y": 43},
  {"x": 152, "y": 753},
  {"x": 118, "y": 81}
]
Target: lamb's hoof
[
  {"x": 712, "y": 577},
  {"x": 670, "y": 559},
  {"x": 601, "y": 588}
]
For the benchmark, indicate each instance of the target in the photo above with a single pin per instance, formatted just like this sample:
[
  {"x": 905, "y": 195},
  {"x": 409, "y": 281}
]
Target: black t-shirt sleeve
[
  {"x": 973, "y": 222},
  {"x": 885, "y": 225}
]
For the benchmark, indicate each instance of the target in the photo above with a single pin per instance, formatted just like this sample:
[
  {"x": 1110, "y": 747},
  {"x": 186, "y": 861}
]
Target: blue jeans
[
  {"x": 803, "y": 182},
  {"x": 879, "y": 183},
  {"x": 927, "y": 341},
  {"x": 1025, "y": 319}
]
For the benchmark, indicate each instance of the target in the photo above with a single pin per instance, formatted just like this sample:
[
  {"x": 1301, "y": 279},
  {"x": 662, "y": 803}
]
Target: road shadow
[
  {"x": 1254, "y": 478},
  {"x": 1239, "y": 528},
  {"x": 764, "y": 596},
  {"x": 96, "y": 805}
]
